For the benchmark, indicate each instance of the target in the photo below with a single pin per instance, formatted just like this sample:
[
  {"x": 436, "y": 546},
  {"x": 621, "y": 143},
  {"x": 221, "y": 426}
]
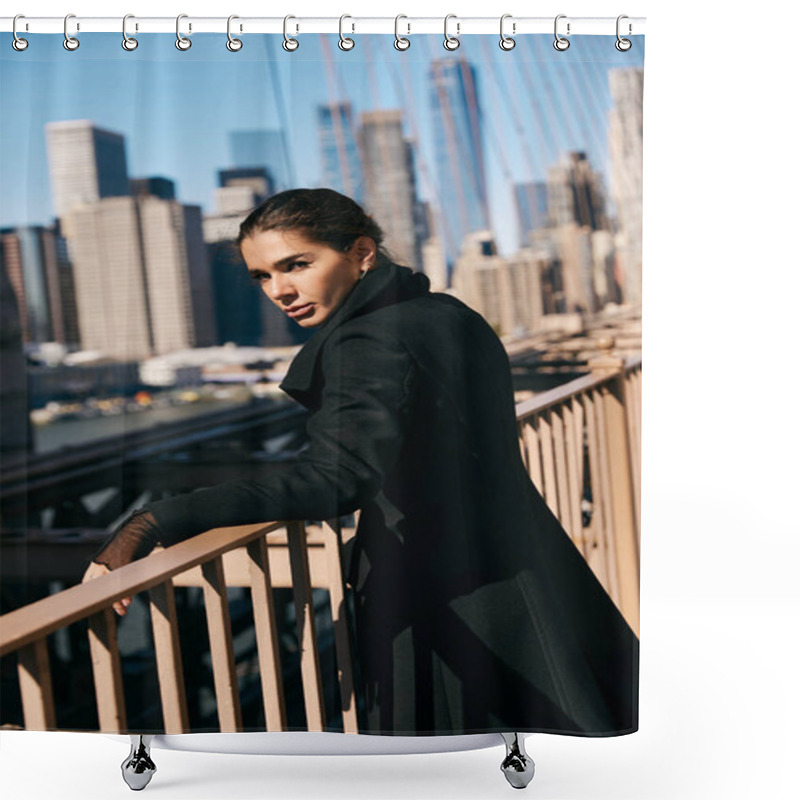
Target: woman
[{"x": 474, "y": 610}]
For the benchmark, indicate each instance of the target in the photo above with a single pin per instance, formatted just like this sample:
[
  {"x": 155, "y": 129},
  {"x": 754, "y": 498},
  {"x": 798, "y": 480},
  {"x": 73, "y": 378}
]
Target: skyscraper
[
  {"x": 625, "y": 147},
  {"x": 87, "y": 163},
  {"x": 577, "y": 210},
  {"x": 531, "y": 202},
  {"x": 155, "y": 187},
  {"x": 142, "y": 281},
  {"x": 179, "y": 282},
  {"x": 390, "y": 194},
  {"x": 142, "y": 278},
  {"x": 341, "y": 165},
  {"x": 507, "y": 292},
  {"x": 458, "y": 151},
  {"x": 575, "y": 193},
  {"x": 242, "y": 188},
  {"x": 105, "y": 247},
  {"x": 15, "y": 428},
  {"x": 39, "y": 271}
]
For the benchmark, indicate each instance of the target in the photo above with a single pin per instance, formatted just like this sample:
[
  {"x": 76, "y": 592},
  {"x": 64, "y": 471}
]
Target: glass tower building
[
  {"x": 341, "y": 165},
  {"x": 458, "y": 152}
]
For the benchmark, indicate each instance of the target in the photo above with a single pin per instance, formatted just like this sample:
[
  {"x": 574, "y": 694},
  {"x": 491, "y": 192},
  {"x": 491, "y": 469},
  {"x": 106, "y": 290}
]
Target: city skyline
[{"x": 530, "y": 139}]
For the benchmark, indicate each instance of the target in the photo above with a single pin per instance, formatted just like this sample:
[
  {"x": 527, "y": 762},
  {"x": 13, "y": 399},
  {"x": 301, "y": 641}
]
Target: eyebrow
[{"x": 280, "y": 263}]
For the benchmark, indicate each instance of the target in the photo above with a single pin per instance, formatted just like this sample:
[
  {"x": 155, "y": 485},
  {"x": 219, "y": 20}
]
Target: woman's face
[{"x": 306, "y": 279}]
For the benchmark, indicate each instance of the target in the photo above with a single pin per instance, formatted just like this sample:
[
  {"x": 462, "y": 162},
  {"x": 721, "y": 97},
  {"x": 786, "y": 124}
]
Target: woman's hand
[
  {"x": 95, "y": 571},
  {"x": 134, "y": 538}
]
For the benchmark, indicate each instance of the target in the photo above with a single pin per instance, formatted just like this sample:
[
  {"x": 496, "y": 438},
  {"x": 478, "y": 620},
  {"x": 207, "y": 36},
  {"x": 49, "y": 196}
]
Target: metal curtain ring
[
  {"x": 18, "y": 43},
  {"x": 70, "y": 42},
  {"x": 345, "y": 43},
  {"x": 182, "y": 43},
  {"x": 561, "y": 43},
  {"x": 128, "y": 42},
  {"x": 623, "y": 45},
  {"x": 400, "y": 42},
  {"x": 451, "y": 42},
  {"x": 289, "y": 43},
  {"x": 506, "y": 42},
  {"x": 233, "y": 44}
]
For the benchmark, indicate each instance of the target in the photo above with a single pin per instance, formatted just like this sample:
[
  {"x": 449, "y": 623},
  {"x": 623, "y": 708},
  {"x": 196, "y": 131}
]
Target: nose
[{"x": 278, "y": 287}]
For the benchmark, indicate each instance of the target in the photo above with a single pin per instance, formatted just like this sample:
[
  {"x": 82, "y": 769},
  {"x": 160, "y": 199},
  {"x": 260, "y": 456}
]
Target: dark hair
[{"x": 324, "y": 215}]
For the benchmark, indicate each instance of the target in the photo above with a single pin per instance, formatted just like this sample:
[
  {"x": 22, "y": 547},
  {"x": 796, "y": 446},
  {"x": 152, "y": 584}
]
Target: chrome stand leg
[
  {"x": 138, "y": 768},
  {"x": 517, "y": 766}
]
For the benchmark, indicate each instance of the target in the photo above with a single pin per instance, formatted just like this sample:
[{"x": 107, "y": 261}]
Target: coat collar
[{"x": 383, "y": 285}]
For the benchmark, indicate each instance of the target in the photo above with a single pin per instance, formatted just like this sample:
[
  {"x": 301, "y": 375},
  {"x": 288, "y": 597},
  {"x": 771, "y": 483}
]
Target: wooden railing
[
  {"x": 580, "y": 444},
  {"x": 297, "y": 557}
]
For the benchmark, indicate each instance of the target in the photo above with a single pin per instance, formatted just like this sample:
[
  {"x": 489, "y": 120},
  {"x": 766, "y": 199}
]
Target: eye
[{"x": 263, "y": 276}]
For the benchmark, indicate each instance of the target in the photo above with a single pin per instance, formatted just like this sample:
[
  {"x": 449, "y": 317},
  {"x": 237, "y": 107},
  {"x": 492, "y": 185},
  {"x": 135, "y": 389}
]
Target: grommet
[
  {"x": 18, "y": 43},
  {"x": 451, "y": 42},
  {"x": 506, "y": 42},
  {"x": 345, "y": 43},
  {"x": 70, "y": 42},
  {"x": 289, "y": 43},
  {"x": 400, "y": 42},
  {"x": 561, "y": 43},
  {"x": 128, "y": 42},
  {"x": 233, "y": 44},
  {"x": 182, "y": 42}
]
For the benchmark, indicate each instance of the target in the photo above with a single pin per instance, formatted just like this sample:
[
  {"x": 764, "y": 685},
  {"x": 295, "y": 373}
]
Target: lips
[{"x": 300, "y": 310}]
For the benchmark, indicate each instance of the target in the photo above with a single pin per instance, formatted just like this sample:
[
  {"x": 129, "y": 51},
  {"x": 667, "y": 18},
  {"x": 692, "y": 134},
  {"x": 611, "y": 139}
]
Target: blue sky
[{"x": 176, "y": 108}]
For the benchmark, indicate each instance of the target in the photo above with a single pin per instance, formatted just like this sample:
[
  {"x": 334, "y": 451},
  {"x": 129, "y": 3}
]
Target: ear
[{"x": 364, "y": 249}]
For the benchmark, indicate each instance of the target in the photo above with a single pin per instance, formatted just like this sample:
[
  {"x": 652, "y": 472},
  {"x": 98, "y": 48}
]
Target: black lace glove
[{"x": 133, "y": 538}]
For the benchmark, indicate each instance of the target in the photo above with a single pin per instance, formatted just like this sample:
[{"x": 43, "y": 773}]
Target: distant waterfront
[{"x": 48, "y": 438}]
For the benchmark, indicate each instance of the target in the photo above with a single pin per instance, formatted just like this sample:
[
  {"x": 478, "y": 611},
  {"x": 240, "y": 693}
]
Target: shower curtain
[{"x": 142, "y": 365}]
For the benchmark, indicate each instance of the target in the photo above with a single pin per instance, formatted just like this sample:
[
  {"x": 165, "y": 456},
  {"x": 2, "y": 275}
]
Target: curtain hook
[
  {"x": 400, "y": 42},
  {"x": 233, "y": 44},
  {"x": 506, "y": 42},
  {"x": 128, "y": 42},
  {"x": 451, "y": 42},
  {"x": 561, "y": 43},
  {"x": 345, "y": 43},
  {"x": 70, "y": 42},
  {"x": 289, "y": 43},
  {"x": 621, "y": 44},
  {"x": 182, "y": 43},
  {"x": 18, "y": 43}
]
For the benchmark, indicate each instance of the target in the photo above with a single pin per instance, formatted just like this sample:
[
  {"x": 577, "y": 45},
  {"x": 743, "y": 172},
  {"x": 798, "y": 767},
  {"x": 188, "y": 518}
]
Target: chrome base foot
[
  {"x": 517, "y": 766},
  {"x": 138, "y": 768}
]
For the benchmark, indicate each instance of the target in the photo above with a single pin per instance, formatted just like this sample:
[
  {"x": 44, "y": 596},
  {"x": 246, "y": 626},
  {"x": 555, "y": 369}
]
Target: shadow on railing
[{"x": 581, "y": 446}]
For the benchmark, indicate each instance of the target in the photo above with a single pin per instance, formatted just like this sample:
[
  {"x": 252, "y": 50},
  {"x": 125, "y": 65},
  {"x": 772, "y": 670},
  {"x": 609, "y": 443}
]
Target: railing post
[
  {"x": 107, "y": 672},
  {"x": 166, "y": 641},
  {"x": 332, "y": 531},
  {"x": 306, "y": 628},
  {"x": 226, "y": 681},
  {"x": 266, "y": 634},
  {"x": 36, "y": 686},
  {"x": 623, "y": 511}
]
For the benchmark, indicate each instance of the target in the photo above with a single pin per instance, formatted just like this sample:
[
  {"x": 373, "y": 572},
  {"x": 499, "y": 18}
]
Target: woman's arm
[{"x": 354, "y": 440}]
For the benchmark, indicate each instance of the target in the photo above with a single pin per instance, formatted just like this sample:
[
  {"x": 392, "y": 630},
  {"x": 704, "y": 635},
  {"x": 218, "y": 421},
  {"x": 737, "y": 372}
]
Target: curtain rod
[{"x": 457, "y": 26}]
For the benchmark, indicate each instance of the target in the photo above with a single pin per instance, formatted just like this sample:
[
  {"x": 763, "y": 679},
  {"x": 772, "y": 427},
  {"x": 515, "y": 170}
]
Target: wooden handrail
[
  {"x": 561, "y": 393},
  {"x": 45, "y": 616}
]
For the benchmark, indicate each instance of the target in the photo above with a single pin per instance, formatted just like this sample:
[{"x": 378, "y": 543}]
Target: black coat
[{"x": 475, "y": 612}]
